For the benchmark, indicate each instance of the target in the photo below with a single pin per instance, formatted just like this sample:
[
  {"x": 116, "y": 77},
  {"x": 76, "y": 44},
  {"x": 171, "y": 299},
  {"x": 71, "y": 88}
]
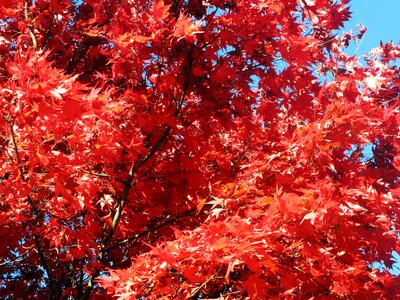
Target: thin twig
[
  {"x": 198, "y": 289},
  {"x": 104, "y": 175},
  {"x": 21, "y": 257},
  {"x": 150, "y": 230}
]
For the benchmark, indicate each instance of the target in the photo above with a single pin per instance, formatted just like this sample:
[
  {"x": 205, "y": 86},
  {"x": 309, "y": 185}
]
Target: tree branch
[
  {"x": 27, "y": 19},
  {"x": 117, "y": 216},
  {"x": 48, "y": 32},
  {"x": 155, "y": 228},
  {"x": 34, "y": 207},
  {"x": 134, "y": 170},
  {"x": 43, "y": 262}
]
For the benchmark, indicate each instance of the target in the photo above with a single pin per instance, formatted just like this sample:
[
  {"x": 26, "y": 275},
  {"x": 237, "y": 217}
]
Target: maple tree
[{"x": 195, "y": 149}]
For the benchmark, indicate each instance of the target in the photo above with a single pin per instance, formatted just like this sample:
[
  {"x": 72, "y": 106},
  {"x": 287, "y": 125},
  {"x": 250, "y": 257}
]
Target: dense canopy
[{"x": 189, "y": 149}]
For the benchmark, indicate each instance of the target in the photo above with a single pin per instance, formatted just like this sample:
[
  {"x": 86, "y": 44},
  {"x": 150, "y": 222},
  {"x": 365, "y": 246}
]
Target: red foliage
[{"x": 192, "y": 149}]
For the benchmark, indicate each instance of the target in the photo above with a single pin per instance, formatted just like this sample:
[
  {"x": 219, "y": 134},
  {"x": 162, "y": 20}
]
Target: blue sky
[{"x": 381, "y": 17}]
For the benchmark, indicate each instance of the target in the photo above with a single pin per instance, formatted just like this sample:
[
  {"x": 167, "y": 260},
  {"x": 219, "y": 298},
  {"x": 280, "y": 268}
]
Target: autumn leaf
[{"x": 186, "y": 29}]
